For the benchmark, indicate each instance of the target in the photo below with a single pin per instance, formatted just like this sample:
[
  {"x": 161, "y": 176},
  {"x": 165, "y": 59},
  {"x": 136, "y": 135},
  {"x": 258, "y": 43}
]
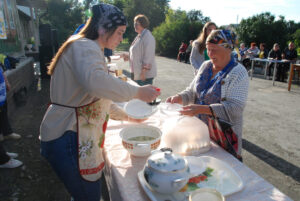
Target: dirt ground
[
  {"x": 35, "y": 180},
  {"x": 275, "y": 162}
]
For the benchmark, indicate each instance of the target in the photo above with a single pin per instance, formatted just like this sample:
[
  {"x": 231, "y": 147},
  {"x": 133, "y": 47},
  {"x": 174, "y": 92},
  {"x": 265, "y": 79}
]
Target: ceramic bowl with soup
[{"x": 140, "y": 140}]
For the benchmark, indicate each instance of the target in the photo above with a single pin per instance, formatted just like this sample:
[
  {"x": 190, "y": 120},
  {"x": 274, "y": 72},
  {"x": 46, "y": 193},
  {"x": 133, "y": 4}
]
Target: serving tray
[{"x": 218, "y": 175}]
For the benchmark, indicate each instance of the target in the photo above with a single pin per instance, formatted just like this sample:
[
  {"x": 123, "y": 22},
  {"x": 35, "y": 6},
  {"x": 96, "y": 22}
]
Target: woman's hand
[
  {"x": 147, "y": 93},
  {"x": 136, "y": 120},
  {"x": 194, "y": 109},
  {"x": 174, "y": 99},
  {"x": 125, "y": 56}
]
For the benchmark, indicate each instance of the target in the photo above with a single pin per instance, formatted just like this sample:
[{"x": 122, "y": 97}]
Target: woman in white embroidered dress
[{"x": 81, "y": 92}]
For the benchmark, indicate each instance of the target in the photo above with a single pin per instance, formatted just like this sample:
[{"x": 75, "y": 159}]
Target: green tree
[
  {"x": 64, "y": 16},
  {"x": 263, "y": 28},
  {"x": 296, "y": 38},
  {"x": 179, "y": 26},
  {"x": 155, "y": 10}
]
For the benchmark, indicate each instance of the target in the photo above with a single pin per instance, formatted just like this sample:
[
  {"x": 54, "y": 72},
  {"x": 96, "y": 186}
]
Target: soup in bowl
[{"x": 140, "y": 140}]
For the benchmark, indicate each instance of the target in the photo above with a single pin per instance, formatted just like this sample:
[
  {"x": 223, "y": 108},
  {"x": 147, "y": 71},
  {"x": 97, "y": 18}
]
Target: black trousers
[
  {"x": 5, "y": 127},
  {"x": 281, "y": 71},
  {"x": 4, "y": 158}
]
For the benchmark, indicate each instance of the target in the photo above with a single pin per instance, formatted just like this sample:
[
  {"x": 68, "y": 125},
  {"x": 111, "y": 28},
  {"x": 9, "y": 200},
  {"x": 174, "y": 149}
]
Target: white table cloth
[{"x": 121, "y": 169}]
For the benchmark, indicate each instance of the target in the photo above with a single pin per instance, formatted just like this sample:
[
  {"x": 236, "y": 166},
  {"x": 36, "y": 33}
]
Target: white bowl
[
  {"x": 138, "y": 109},
  {"x": 206, "y": 194},
  {"x": 136, "y": 139}
]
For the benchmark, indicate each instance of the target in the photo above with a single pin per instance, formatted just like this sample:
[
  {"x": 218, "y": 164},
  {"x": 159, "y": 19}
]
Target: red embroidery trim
[{"x": 92, "y": 170}]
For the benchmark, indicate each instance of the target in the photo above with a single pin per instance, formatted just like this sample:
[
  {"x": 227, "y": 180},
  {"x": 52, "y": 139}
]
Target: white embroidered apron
[{"x": 92, "y": 121}]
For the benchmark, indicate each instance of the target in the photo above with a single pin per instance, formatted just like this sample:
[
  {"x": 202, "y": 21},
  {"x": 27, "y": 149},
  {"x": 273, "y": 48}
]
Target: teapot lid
[{"x": 164, "y": 160}]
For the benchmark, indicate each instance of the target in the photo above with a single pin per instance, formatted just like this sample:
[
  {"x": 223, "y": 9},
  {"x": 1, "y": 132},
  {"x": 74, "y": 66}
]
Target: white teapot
[{"x": 166, "y": 172}]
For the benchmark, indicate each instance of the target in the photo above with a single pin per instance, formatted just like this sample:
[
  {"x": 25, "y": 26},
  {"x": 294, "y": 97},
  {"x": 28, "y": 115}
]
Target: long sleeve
[
  {"x": 148, "y": 49},
  {"x": 95, "y": 79}
]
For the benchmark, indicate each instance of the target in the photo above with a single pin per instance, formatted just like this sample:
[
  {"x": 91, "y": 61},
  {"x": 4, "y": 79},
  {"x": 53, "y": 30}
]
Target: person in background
[
  {"x": 290, "y": 53},
  {"x": 72, "y": 132},
  {"x": 220, "y": 86},
  {"x": 181, "y": 52},
  {"x": 108, "y": 53},
  {"x": 242, "y": 50},
  {"x": 6, "y": 159},
  {"x": 142, "y": 53},
  {"x": 199, "y": 52},
  {"x": 263, "y": 52},
  {"x": 6, "y": 131},
  {"x": 251, "y": 53},
  {"x": 188, "y": 52},
  {"x": 275, "y": 53}
]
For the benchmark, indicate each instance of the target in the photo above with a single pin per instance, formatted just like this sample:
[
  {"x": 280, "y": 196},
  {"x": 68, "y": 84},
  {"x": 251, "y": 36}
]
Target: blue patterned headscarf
[
  {"x": 108, "y": 16},
  {"x": 222, "y": 37}
]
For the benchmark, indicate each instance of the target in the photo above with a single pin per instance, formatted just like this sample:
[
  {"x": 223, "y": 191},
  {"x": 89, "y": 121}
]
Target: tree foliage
[
  {"x": 296, "y": 38},
  {"x": 155, "y": 10},
  {"x": 64, "y": 16},
  {"x": 179, "y": 26},
  {"x": 263, "y": 28}
]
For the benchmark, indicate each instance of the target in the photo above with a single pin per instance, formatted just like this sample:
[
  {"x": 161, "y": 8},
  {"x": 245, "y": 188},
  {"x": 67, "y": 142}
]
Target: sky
[{"x": 224, "y": 12}]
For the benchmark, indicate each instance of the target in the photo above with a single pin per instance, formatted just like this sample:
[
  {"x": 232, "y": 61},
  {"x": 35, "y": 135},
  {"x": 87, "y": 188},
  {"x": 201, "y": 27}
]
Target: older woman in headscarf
[
  {"x": 81, "y": 92},
  {"x": 220, "y": 86}
]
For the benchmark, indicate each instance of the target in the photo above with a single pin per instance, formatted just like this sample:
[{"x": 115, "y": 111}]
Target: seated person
[
  {"x": 263, "y": 52},
  {"x": 242, "y": 50},
  {"x": 275, "y": 53},
  {"x": 290, "y": 53},
  {"x": 251, "y": 53}
]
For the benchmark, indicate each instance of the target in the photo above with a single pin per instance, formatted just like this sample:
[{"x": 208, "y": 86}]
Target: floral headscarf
[
  {"x": 225, "y": 38},
  {"x": 109, "y": 16}
]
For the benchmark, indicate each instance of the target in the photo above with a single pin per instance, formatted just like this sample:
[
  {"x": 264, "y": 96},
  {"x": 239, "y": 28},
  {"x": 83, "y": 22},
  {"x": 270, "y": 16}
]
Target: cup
[
  {"x": 206, "y": 194},
  {"x": 118, "y": 72},
  {"x": 123, "y": 77}
]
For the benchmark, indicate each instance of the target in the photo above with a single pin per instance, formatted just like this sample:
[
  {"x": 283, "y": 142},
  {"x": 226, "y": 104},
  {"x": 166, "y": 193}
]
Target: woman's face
[
  {"x": 210, "y": 28},
  {"x": 218, "y": 54},
  {"x": 114, "y": 40},
  {"x": 261, "y": 47},
  {"x": 138, "y": 27}
]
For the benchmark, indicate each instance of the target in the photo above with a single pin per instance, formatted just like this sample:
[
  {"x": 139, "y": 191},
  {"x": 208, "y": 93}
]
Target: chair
[{"x": 294, "y": 67}]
